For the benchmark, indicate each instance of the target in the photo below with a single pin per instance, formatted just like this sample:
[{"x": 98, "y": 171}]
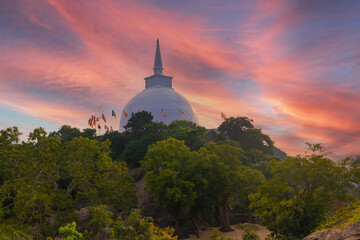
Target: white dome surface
[{"x": 156, "y": 98}]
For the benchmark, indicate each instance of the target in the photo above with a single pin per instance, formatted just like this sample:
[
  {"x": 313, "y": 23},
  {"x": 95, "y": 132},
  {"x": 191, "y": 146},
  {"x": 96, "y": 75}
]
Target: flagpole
[{"x": 99, "y": 121}]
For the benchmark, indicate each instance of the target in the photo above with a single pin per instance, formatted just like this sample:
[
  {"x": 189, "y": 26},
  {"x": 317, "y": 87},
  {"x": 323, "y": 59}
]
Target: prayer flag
[
  {"x": 125, "y": 114},
  {"x": 223, "y": 116},
  {"x": 163, "y": 113},
  {"x": 113, "y": 113}
]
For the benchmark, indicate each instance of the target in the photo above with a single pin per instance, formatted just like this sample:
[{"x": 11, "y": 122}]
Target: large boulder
[{"x": 351, "y": 232}]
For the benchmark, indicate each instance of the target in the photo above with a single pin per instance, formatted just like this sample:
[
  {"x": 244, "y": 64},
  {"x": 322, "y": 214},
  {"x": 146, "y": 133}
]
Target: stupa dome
[{"x": 159, "y": 98}]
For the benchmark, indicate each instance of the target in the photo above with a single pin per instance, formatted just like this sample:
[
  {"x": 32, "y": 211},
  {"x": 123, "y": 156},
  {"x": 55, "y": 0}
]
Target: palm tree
[{"x": 13, "y": 231}]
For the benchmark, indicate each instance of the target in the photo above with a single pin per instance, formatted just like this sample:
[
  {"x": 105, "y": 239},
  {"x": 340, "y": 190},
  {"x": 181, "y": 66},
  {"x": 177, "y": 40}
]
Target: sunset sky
[{"x": 292, "y": 66}]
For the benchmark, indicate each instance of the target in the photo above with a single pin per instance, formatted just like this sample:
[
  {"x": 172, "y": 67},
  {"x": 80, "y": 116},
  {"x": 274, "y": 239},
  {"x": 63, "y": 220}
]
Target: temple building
[{"x": 159, "y": 98}]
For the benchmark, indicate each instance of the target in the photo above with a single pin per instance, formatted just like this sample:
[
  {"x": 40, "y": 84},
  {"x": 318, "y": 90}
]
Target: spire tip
[{"x": 158, "y": 67}]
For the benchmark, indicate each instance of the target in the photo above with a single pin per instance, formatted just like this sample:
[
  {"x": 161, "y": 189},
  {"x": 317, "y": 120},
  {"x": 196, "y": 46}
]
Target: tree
[
  {"x": 136, "y": 149},
  {"x": 93, "y": 173},
  {"x": 89, "y": 133},
  {"x": 182, "y": 181},
  {"x": 227, "y": 178},
  {"x": 300, "y": 194},
  {"x": 13, "y": 231},
  {"x": 118, "y": 143},
  {"x": 43, "y": 179},
  {"x": 136, "y": 123},
  {"x": 192, "y": 134},
  {"x": 242, "y": 130},
  {"x": 101, "y": 218},
  {"x": 168, "y": 176},
  {"x": 66, "y": 133},
  {"x": 69, "y": 232},
  {"x": 9, "y": 139}
]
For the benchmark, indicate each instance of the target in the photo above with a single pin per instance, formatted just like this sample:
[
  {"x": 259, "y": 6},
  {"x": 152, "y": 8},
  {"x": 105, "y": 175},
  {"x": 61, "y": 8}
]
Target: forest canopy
[{"x": 74, "y": 183}]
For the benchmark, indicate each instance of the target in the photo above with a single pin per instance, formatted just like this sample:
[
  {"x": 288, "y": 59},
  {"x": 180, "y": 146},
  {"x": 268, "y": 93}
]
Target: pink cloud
[{"x": 117, "y": 38}]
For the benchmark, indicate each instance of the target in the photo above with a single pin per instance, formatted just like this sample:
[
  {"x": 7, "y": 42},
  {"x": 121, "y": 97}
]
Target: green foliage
[
  {"x": 13, "y": 232},
  {"x": 181, "y": 180},
  {"x": 89, "y": 133},
  {"x": 167, "y": 176},
  {"x": 66, "y": 133},
  {"x": 228, "y": 180},
  {"x": 101, "y": 218},
  {"x": 118, "y": 143},
  {"x": 69, "y": 232},
  {"x": 255, "y": 157},
  {"x": 300, "y": 194},
  {"x": 242, "y": 130},
  {"x": 167, "y": 233},
  {"x": 139, "y": 228},
  {"x": 342, "y": 218},
  {"x": 137, "y": 147},
  {"x": 138, "y": 121},
  {"x": 142, "y": 132},
  {"x": 249, "y": 232},
  {"x": 43, "y": 179},
  {"x": 9, "y": 136},
  {"x": 192, "y": 134},
  {"x": 217, "y": 235}
]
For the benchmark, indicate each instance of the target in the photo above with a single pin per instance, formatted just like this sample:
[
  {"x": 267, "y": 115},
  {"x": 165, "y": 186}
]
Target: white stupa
[{"x": 159, "y": 98}]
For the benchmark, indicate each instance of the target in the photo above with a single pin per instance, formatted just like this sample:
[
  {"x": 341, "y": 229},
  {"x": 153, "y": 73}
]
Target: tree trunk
[
  {"x": 177, "y": 225},
  {"x": 224, "y": 219},
  {"x": 196, "y": 228}
]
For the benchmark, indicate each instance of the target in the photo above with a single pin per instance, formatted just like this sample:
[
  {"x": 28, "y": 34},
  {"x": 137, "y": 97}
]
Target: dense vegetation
[{"x": 75, "y": 184}]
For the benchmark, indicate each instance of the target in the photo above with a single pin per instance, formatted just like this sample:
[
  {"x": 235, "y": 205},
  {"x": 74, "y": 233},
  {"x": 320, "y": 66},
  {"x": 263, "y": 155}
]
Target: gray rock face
[{"x": 351, "y": 232}]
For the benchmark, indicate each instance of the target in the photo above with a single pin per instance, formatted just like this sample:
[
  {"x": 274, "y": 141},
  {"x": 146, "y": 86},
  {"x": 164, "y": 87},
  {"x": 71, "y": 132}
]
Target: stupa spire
[{"x": 158, "y": 67}]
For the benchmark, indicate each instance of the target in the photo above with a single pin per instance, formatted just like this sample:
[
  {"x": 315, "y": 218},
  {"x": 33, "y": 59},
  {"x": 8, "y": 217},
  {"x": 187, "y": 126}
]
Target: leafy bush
[
  {"x": 342, "y": 218},
  {"x": 248, "y": 232},
  {"x": 100, "y": 218},
  {"x": 217, "y": 235},
  {"x": 300, "y": 193},
  {"x": 140, "y": 228}
]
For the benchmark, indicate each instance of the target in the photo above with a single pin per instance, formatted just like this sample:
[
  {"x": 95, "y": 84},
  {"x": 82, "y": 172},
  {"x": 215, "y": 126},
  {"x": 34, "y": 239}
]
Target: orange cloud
[{"x": 271, "y": 65}]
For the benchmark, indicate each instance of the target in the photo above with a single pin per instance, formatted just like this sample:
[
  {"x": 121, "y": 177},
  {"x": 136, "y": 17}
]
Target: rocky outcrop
[{"x": 351, "y": 232}]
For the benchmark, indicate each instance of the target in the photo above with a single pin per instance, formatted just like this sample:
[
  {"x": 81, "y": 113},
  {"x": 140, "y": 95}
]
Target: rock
[
  {"x": 279, "y": 153},
  {"x": 83, "y": 214},
  {"x": 351, "y": 232},
  {"x": 137, "y": 173}
]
